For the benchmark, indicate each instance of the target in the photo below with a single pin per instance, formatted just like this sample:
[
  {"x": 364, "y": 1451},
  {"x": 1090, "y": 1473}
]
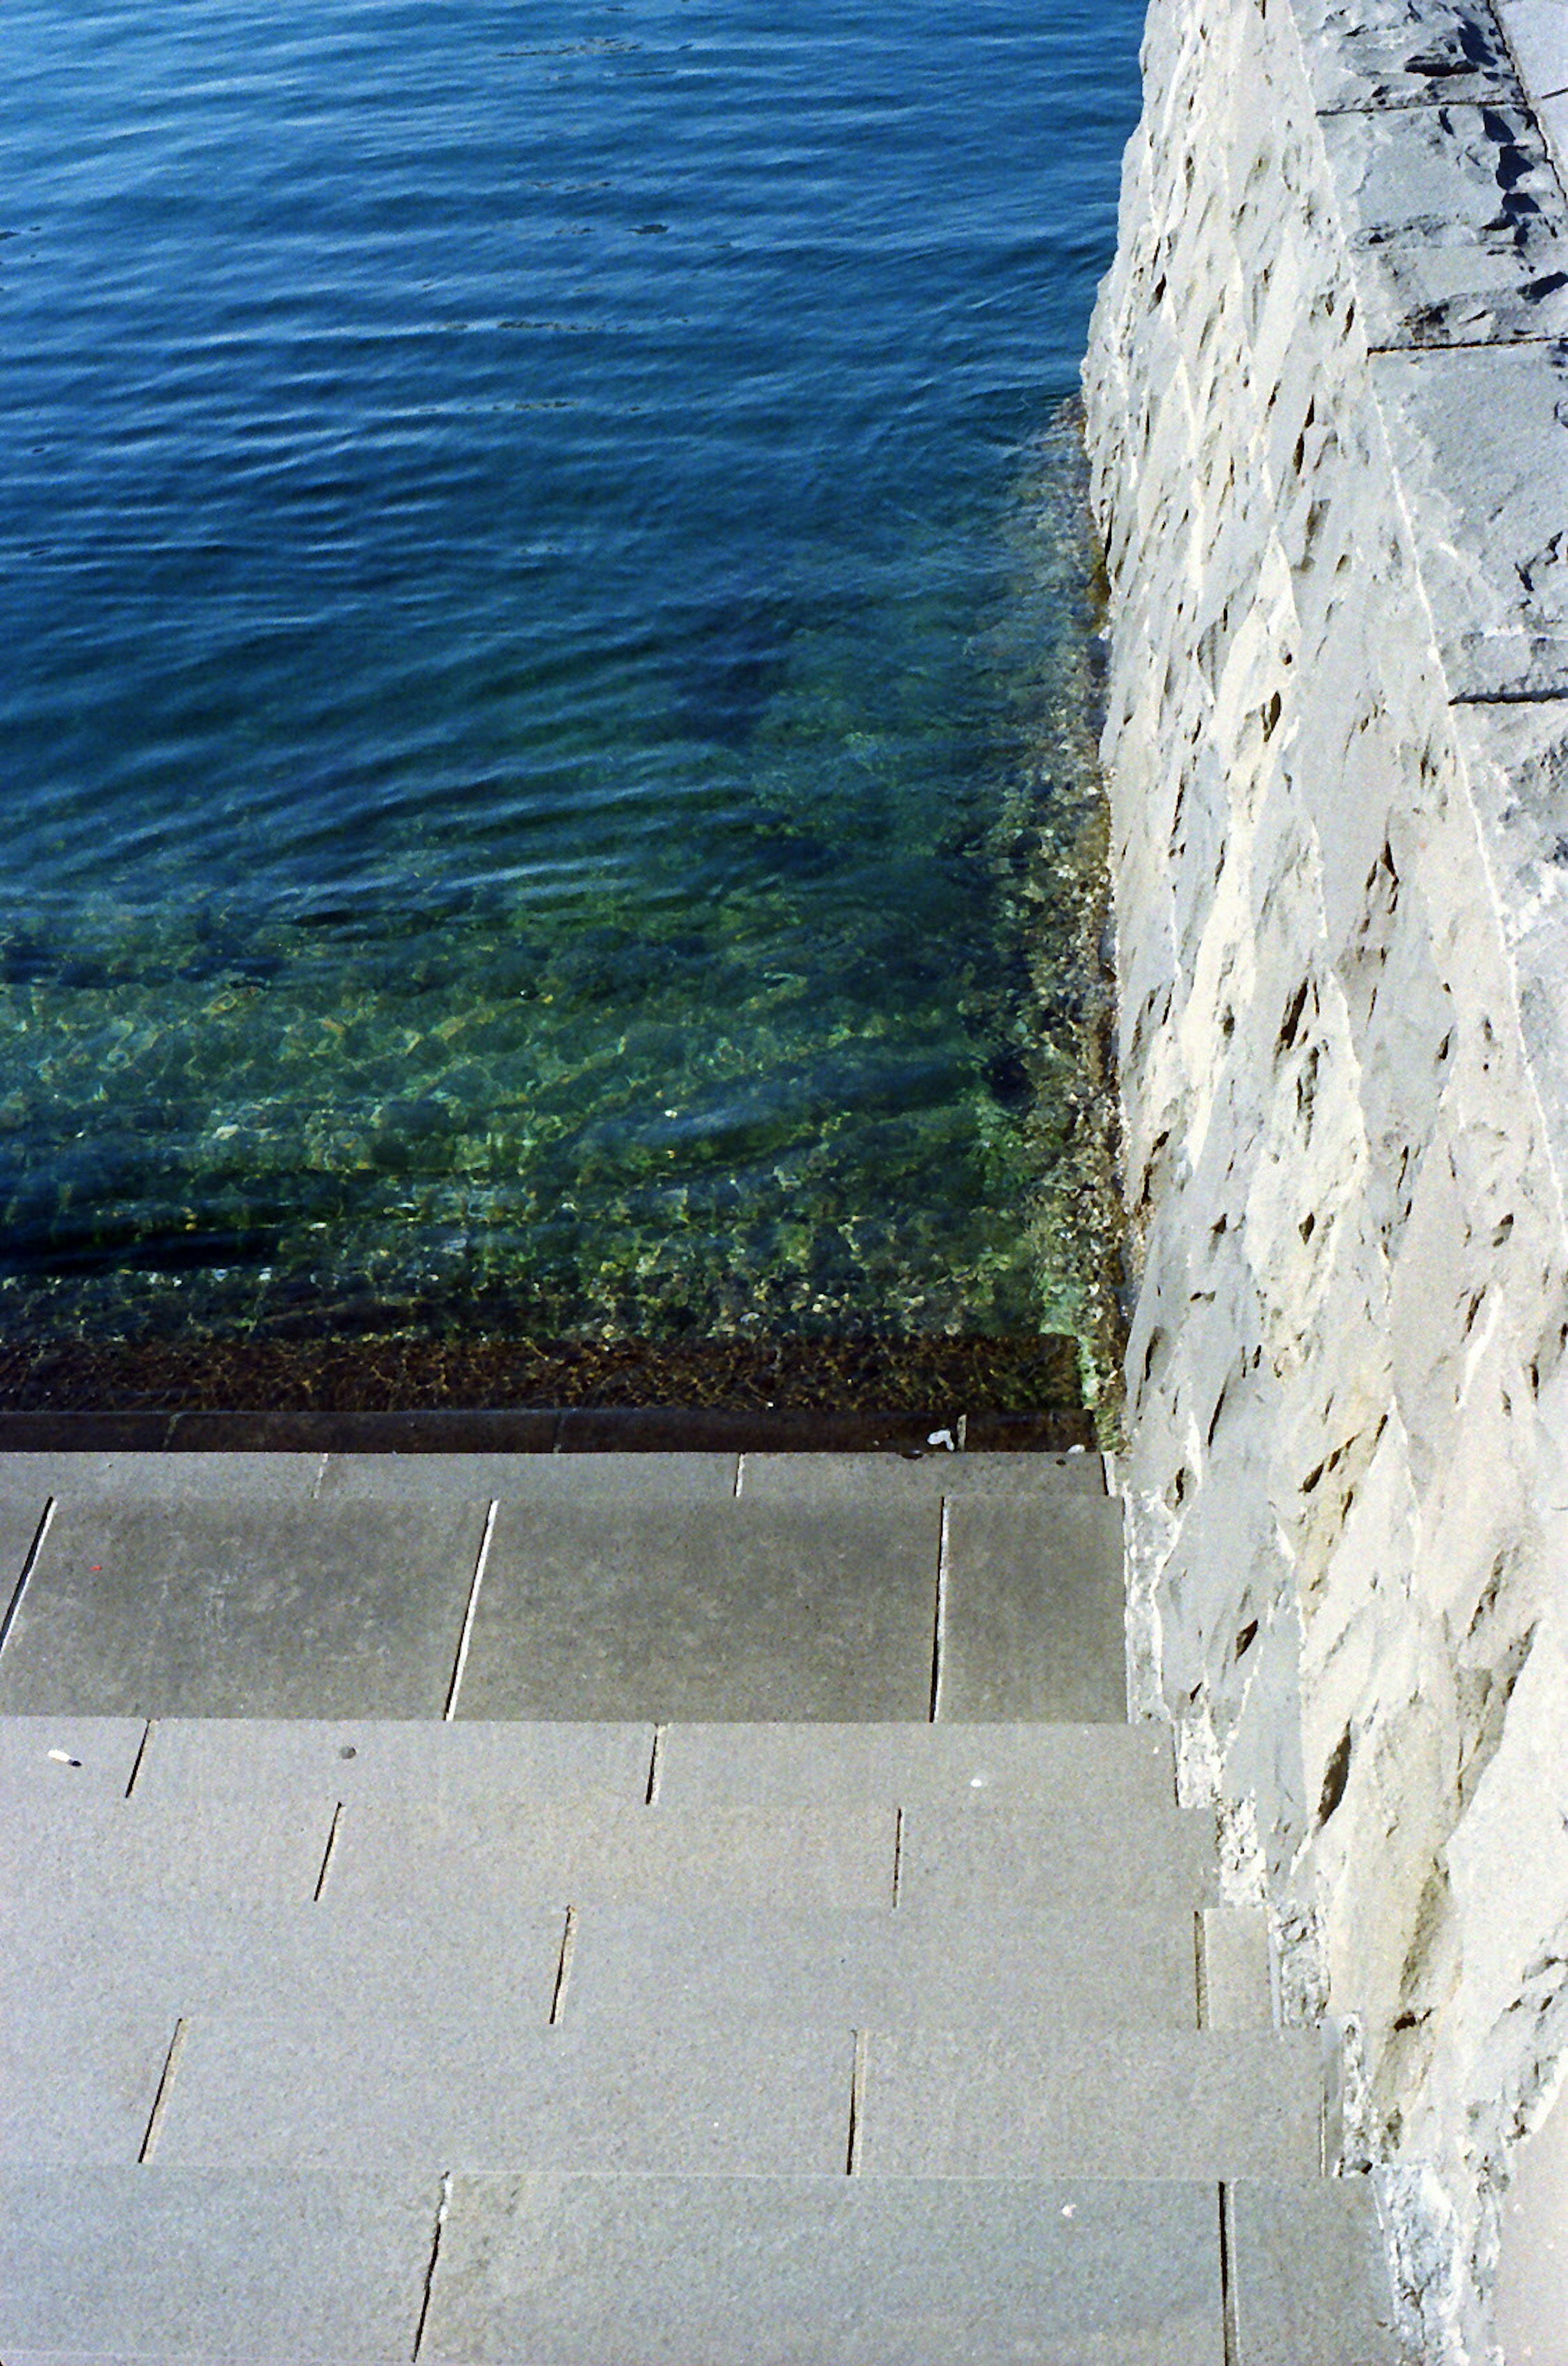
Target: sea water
[{"x": 546, "y": 659}]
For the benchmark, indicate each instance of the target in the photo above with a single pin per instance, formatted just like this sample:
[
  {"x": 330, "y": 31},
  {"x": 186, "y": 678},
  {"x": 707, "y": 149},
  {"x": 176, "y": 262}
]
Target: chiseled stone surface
[
  {"x": 1365, "y": 54},
  {"x": 1326, "y": 396},
  {"x": 1456, "y": 221}
]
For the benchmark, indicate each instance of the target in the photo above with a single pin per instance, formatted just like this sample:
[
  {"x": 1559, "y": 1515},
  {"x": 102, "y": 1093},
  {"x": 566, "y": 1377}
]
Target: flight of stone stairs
[{"x": 625, "y": 1911}]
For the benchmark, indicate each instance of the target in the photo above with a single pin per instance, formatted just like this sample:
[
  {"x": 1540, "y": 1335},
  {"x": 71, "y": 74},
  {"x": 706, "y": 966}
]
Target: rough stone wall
[{"x": 1328, "y": 424}]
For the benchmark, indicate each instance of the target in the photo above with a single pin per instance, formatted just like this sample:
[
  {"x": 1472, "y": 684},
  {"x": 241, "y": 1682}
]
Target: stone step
[
  {"x": 893, "y": 1478},
  {"x": 1114, "y": 1771},
  {"x": 1199, "y": 2104},
  {"x": 326, "y": 2090},
  {"x": 1309, "y": 2277},
  {"x": 151, "y": 1960},
  {"x": 959, "y": 1856},
  {"x": 255, "y": 1606},
  {"x": 75, "y": 1966},
  {"x": 989, "y": 1607},
  {"x": 861, "y": 2272},
  {"x": 258, "y": 1852},
  {"x": 252, "y": 2265},
  {"x": 1117, "y": 1772},
  {"x": 578, "y": 2270},
  {"x": 99, "y": 2267}
]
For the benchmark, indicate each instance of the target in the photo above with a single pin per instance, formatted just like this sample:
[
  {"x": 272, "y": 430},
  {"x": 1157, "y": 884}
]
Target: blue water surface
[{"x": 510, "y": 515}]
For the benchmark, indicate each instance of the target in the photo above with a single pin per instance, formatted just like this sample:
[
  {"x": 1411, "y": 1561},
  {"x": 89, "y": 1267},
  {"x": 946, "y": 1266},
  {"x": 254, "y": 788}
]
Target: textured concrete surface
[
  {"x": 569, "y": 2272},
  {"x": 20, "y": 1514},
  {"x": 1326, "y": 403},
  {"x": 78, "y": 2076},
  {"x": 74, "y": 1756},
  {"x": 254, "y": 1852},
  {"x": 1236, "y": 1978},
  {"x": 559, "y": 1479}
]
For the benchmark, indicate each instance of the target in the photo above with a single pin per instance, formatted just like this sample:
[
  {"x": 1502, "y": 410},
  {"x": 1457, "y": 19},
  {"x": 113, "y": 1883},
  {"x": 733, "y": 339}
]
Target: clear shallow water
[{"x": 542, "y": 627}]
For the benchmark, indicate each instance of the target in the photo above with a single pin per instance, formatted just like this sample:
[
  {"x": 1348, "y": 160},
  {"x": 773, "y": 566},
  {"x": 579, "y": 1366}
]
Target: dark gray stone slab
[
  {"x": 897, "y": 1478},
  {"x": 92, "y": 1955},
  {"x": 171, "y": 2264},
  {"x": 1364, "y": 53},
  {"x": 1309, "y": 2275},
  {"x": 418, "y": 1761},
  {"x": 700, "y": 1965},
  {"x": 78, "y": 2077},
  {"x": 1490, "y": 511},
  {"x": 966, "y": 1855},
  {"x": 574, "y": 2272},
  {"x": 531, "y": 1478},
  {"x": 709, "y": 1611},
  {"x": 1193, "y": 2104},
  {"x": 73, "y": 1757},
  {"x": 212, "y": 1609},
  {"x": 569, "y": 1852},
  {"x": 1456, "y": 222},
  {"x": 21, "y": 1510},
  {"x": 1237, "y": 1980},
  {"x": 243, "y": 1852},
  {"x": 1126, "y": 1771},
  {"x": 1034, "y": 1612},
  {"x": 160, "y": 1477},
  {"x": 430, "y": 2091}
]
